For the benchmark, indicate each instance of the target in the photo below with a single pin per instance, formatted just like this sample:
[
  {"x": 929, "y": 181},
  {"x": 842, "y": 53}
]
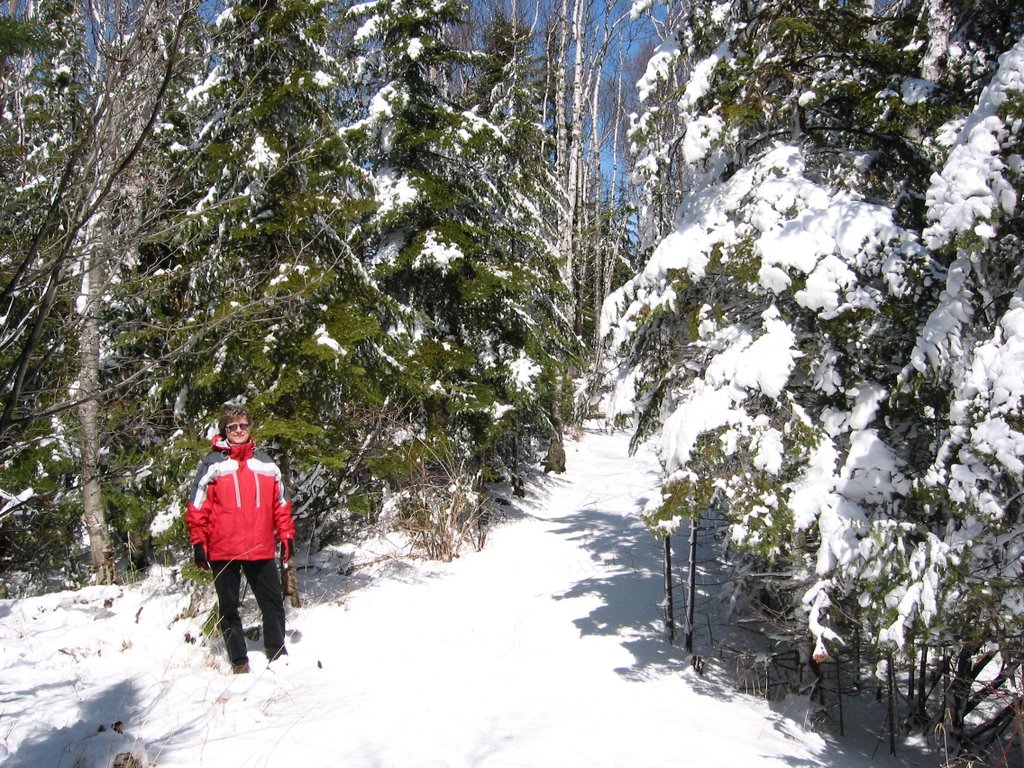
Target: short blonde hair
[{"x": 230, "y": 413}]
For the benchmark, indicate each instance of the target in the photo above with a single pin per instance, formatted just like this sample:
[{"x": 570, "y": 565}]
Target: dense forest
[{"x": 423, "y": 240}]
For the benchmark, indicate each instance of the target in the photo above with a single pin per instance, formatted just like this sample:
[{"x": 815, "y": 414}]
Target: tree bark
[
  {"x": 101, "y": 554},
  {"x": 562, "y": 142},
  {"x": 572, "y": 178},
  {"x": 670, "y": 621}
]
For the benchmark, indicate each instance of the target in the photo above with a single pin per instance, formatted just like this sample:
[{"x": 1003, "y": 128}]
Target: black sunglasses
[{"x": 235, "y": 427}]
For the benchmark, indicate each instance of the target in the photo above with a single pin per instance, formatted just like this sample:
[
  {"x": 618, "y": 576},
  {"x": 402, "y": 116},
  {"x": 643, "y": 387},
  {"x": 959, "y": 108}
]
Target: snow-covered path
[
  {"x": 514, "y": 656},
  {"x": 544, "y": 649}
]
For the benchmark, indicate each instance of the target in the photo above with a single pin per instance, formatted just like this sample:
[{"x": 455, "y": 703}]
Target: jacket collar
[{"x": 237, "y": 452}]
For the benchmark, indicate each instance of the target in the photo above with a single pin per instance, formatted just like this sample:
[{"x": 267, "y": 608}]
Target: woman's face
[{"x": 238, "y": 431}]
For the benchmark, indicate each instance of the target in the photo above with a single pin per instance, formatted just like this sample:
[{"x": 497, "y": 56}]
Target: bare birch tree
[{"x": 562, "y": 122}]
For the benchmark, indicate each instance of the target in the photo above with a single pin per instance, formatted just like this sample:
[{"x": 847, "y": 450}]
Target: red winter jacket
[{"x": 238, "y": 502}]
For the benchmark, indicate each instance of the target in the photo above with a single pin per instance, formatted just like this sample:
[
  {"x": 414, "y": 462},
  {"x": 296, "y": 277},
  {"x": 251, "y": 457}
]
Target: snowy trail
[
  {"x": 544, "y": 649},
  {"x": 523, "y": 655}
]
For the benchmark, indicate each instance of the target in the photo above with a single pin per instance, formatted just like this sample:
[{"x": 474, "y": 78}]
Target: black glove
[
  {"x": 287, "y": 547},
  {"x": 199, "y": 553}
]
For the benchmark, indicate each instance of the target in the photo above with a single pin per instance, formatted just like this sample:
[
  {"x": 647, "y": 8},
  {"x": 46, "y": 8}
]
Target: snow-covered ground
[{"x": 546, "y": 648}]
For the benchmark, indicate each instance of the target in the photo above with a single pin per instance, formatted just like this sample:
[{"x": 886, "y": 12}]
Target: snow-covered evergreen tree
[
  {"x": 819, "y": 344},
  {"x": 459, "y": 239},
  {"x": 43, "y": 102},
  {"x": 523, "y": 195},
  {"x": 276, "y": 308}
]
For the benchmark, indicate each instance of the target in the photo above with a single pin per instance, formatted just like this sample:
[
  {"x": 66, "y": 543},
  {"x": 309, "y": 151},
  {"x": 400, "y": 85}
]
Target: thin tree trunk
[
  {"x": 572, "y": 180},
  {"x": 911, "y": 672},
  {"x": 891, "y": 686},
  {"x": 922, "y": 690},
  {"x": 597, "y": 177},
  {"x": 562, "y": 144},
  {"x": 93, "y": 515},
  {"x": 839, "y": 696},
  {"x": 670, "y": 621},
  {"x": 691, "y": 585},
  {"x": 594, "y": 210}
]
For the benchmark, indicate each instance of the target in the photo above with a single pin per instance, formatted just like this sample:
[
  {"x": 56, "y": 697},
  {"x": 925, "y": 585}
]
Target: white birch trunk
[
  {"x": 562, "y": 144},
  {"x": 596, "y": 193},
  {"x": 572, "y": 178}
]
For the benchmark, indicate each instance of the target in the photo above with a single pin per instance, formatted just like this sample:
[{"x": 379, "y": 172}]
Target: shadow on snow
[{"x": 59, "y": 747}]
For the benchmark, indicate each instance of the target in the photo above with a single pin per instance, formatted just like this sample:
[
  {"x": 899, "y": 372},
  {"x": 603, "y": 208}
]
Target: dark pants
[{"x": 265, "y": 581}]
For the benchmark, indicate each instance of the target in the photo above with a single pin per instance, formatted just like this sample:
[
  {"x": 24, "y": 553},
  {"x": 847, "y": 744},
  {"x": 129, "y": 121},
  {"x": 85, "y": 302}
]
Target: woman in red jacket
[{"x": 238, "y": 504}]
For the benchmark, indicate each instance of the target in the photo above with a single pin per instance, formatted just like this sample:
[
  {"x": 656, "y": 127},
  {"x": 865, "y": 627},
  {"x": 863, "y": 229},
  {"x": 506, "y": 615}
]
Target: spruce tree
[
  {"x": 816, "y": 237},
  {"x": 457, "y": 241},
  {"x": 275, "y": 307}
]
